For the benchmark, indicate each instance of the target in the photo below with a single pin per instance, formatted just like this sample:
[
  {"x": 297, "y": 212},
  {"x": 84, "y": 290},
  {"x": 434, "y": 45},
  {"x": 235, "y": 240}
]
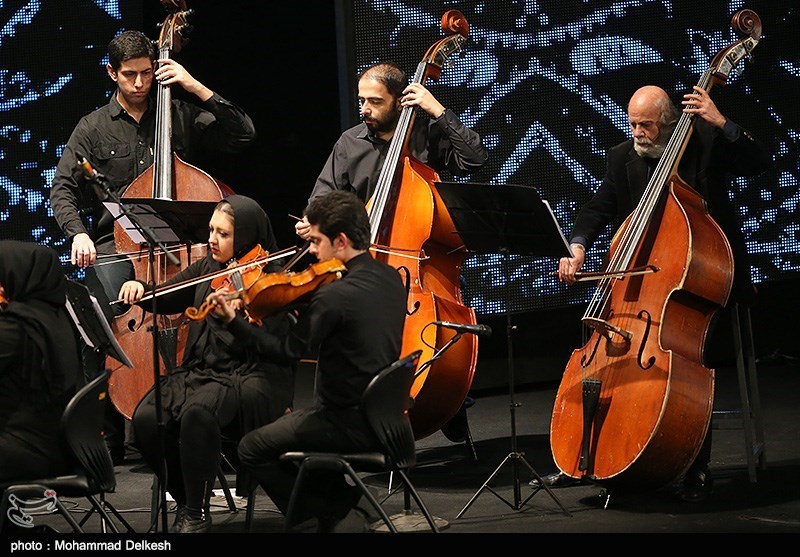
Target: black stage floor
[{"x": 449, "y": 475}]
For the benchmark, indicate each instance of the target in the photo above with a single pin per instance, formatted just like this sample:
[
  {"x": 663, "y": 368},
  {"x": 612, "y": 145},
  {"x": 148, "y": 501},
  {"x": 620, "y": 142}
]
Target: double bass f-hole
[{"x": 406, "y": 272}]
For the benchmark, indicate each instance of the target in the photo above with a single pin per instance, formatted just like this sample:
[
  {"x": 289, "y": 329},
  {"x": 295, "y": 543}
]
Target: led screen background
[
  {"x": 52, "y": 59},
  {"x": 546, "y": 84}
]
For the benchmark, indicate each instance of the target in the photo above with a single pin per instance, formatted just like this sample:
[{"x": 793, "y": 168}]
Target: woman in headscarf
[
  {"x": 40, "y": 365},
  {"x": 219, "y": 387}
]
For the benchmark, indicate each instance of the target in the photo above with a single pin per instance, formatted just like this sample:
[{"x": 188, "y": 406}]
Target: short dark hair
[
  {"x": 390, "y": 75},
  {"x": 129, "y": 45},
  {"x": 341, "y": 211}
]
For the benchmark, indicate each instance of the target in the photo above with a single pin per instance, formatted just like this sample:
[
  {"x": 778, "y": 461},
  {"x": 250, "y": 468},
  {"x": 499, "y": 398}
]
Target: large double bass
[
  {"x": 411, "y": 229},
  {"x": 167, "y": 178},
  {"x": 635, "y": 402}
]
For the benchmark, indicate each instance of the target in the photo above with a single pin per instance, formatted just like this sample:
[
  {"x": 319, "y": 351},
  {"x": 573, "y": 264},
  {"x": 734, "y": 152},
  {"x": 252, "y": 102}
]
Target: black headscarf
[
  {"x": 35, "y": 286},
  {"x": 251, "y": 226}
]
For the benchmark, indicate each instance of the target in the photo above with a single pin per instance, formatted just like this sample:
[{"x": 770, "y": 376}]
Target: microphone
[
  {"x": 99, "y": 181},
  {"x": 482, "y": 330}
]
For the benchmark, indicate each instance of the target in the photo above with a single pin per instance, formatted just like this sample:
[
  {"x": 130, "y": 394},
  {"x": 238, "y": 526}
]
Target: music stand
[
  {"x": 158, "y": 222},
  {"x": 506, "y": 219},
  {"x": 91, "y": 323}
]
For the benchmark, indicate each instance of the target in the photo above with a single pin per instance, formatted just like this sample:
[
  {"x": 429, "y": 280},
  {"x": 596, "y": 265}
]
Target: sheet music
[
  {"x": 114, "y": 350},
  {"x": 555, "y": 221},
  {"x": 146, "y": 218}
]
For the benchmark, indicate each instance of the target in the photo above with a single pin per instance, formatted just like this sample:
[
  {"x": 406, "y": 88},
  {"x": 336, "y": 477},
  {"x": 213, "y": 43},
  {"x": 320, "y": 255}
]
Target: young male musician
[
  {"x": 354, "y": 326},
  {"x": 118, "y": 141}
]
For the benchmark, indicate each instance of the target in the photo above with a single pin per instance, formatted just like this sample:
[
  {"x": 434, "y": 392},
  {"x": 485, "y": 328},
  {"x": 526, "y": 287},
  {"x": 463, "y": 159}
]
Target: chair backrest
[
  {"x": 82, "y": 424},
  {"x": 386, "y": 402}
]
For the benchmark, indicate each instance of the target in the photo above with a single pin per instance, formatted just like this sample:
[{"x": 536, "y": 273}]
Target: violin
[
  {"x": 256, "y": 263},
  {"x": 274, "y": 292}
]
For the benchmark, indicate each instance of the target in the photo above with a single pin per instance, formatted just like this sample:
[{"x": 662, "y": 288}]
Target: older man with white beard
[{"x": 717, "y": 150}]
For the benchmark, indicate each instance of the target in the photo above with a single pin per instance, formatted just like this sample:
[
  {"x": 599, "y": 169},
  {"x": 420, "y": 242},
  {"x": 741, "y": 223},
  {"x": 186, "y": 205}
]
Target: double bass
[
  {"x": 169, "y": 178},
  {"x": 411, "y": 229},
  {"x": 635, "y": 402}
]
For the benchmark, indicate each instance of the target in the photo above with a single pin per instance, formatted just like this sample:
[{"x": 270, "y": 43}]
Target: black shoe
[
  {"x": 180, "y": 516},
  {"x": 117, "y": 454},
  {"x": 185, "y": 523},
  {"x": 696, "y": 485},
  {"x": 556, "y": 479}
]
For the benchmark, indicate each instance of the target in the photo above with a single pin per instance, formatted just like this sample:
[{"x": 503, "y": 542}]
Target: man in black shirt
[
  {"x": 354, "y": 326},
  {"x": 440, "y": 141},
  {"x": 118, "y": 141}
]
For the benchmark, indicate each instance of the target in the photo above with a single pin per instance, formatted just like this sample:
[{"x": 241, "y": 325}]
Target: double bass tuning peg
[{"x": 185, "y": 29}]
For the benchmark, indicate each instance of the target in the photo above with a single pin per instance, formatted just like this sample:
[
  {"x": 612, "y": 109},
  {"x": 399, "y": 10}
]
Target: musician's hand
[
  {"x": 221, "y": 307},
  {"x": 700, "y": 104},
  {"x": 170, "y": 72},
  {"x": 83, "y": 253},
  {"x": 131, "y": 292},
  {"x": 417, "y": 95},
  {"x": 568, "y": 266},
  {"x": 302, "y": 228}
]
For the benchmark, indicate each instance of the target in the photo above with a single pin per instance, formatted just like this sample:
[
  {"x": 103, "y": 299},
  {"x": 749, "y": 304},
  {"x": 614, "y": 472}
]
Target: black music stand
[
  {"x": 158, "y": 222},
  {"x": 506, "y": 219},
  {"x": 92, "y": 324}
]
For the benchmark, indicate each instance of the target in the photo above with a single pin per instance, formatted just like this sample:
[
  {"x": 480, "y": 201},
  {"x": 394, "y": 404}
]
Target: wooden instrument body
[
  {"x": 425, "y": 249},
  {"x": 651, "y": 419},
  {"x": 127, "y": 386}
]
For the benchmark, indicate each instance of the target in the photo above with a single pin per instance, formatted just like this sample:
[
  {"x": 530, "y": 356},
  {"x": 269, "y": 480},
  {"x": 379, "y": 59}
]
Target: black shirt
[
  {"x": 357, "y": 158},
  {"x": 121, "y": 149},
  {"x": 354, "y": 325}
]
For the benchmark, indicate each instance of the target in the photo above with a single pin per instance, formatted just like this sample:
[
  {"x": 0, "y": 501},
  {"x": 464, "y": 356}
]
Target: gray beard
[{"x": 655, "y": 150}]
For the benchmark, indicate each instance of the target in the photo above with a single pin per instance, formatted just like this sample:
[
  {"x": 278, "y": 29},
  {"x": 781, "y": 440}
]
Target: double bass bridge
[{"x": 606, "y": 329}]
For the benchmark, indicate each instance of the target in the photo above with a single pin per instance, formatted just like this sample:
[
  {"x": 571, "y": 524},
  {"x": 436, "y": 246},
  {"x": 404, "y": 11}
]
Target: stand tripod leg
[
  {"x": 485, "y": 486},
  {"x": 543, "y": 485}
]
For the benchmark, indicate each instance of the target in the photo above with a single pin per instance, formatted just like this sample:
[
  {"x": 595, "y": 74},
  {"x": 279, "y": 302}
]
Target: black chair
[
  {"x": 385, "y": 405},
  {"x": 82, "y": 428}
]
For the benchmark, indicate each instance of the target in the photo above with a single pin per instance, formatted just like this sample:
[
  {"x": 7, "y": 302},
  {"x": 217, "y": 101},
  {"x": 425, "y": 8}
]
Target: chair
[
  {"x": 748, "y": 416},
  {"x": 82, "y": 428},
  {"x": 385, "y": 404}
]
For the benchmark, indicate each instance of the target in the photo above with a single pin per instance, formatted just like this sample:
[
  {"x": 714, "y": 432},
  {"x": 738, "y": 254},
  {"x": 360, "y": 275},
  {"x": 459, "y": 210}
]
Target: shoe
[
  {"x": 117, "y": 454},
  {"x": 696, "y": 485},
  {"x": 556, "y": 479},
  {"x": 180, "y": 516},
  {"x": 186, "y": 524}
]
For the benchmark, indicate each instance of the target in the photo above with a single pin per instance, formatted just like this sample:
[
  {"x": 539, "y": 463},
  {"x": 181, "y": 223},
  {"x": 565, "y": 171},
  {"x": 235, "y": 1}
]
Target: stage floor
[{"x": 448, "y": 475}]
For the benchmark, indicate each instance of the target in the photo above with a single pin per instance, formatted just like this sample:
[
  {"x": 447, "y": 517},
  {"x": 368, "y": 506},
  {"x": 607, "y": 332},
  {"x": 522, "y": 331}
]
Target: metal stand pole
[{"x": 515, "y": 457}]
